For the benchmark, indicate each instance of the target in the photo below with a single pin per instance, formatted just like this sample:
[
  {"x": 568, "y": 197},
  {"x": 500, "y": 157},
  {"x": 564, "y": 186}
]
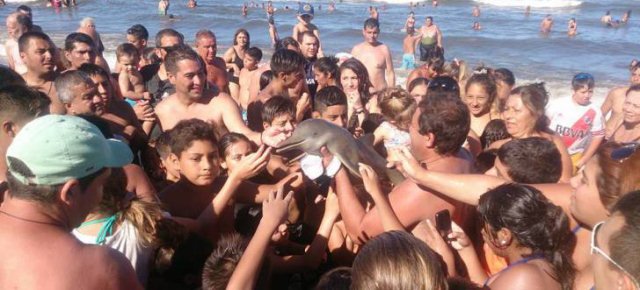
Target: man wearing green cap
[{"x": 57, "y": 167}]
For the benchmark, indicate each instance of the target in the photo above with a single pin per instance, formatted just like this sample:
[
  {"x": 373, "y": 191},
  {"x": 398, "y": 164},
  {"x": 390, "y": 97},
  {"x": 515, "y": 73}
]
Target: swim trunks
[{"x": 408, "y": 61}]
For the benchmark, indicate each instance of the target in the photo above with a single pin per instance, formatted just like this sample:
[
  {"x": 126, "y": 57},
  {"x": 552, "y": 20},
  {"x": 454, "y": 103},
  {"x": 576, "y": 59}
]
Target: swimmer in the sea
[
  {"x": 411, "y": 22},
  {"x": 606, "y": 18},
  {"x": 476, "y": 26},
  {"x": 546, "y": 24},
  {"x": 476, "y": 11},
  {"x": 572, "y": 28},
  {"x": 163, "y": 7}
]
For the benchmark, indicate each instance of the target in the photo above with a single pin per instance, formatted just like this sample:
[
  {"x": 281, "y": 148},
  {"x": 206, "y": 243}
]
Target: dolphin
[{"x": 312, "y": 134}]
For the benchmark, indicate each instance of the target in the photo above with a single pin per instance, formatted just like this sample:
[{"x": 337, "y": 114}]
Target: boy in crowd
[
  {"x": 330, "y": 104},
  {"x": 279, "y": 112},
  {"x": 252, "y": 58},
  {"x": 577, "y": 120}
]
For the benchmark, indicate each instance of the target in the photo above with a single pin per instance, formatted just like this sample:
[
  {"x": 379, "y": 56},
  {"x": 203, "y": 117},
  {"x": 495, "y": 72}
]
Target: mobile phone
[{"x": 443, "y": 223}]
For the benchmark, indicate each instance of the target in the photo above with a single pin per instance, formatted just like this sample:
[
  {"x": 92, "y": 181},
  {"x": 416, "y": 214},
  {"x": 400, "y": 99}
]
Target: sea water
[{"x": 508, "y": 39}]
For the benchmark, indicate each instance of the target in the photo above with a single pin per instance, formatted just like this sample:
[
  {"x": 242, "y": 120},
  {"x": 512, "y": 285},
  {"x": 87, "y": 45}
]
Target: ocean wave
[{"x": 532, "y": 3}]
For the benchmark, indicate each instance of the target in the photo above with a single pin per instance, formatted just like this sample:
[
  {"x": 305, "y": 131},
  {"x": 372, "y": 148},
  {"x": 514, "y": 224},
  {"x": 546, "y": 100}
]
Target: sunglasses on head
[
  {"x": 625, "y": 151},
  {"x": 445, "y": 84}
]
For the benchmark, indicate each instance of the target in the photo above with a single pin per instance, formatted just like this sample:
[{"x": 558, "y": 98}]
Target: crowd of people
[{"x": 167, "y": 171}]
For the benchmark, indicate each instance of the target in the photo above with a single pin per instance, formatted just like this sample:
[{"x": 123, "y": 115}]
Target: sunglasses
[
  {"x": 445, "y": 84},
  {"x": 596, "y": 249},
  {"x": 625, "y": 151}
]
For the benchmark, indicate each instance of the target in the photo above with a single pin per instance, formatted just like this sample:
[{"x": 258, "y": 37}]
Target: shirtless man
[
  {"x": 155, "y": 76},
  {"x": 304, "y": 25},
  {"x": 39, "y": 56},
  {"x": 78, "y": 94},
  {"x": 17, "y": 24},
  {"x": 79, "y": 49},
  {"x": 615, "y": 101},
  {"x": 431, "y": 41},
  {"x": 88, "y": 27},
  {"x": 434, "y": 145},
  {"x": 287, "y": 67},
  {"x": 546, "y": 24},
  {"x": 207, "y": 47},
  {"x": 375, "y": 56},
  {"x": 191, "y": 100},
  {"x": 48, "y": 196}
]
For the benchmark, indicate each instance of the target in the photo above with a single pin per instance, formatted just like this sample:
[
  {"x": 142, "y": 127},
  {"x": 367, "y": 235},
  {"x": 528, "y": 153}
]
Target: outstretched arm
[
  {"x": 462, "y": 187},
  {"x": 274, "y": 212}
]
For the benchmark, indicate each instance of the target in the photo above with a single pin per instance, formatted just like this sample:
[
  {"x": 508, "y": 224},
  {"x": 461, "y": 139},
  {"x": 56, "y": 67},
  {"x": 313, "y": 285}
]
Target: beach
[{"x": 508, "y": 38}]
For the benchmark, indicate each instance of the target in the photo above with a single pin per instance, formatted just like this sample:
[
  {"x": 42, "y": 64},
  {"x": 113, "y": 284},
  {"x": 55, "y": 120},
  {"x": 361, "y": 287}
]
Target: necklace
[{"x": 32, "y": 221}]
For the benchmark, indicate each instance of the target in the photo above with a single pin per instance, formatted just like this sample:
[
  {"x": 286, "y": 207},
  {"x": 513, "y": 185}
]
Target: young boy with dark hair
[
  {"x": 577, "y": 120},
  {"x": 279, "y": 112},
  {"x": 330, "y": 104},
  {"x": 252, "y": 58}
]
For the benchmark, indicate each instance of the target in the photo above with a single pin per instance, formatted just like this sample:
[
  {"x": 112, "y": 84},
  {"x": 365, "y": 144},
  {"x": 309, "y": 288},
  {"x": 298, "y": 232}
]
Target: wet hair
[
  {"x": 582, "y": 80},
  {"x": 229, "y": 140},
  {"x": 245, "y": 32},
  {"x": 495, "y": 130},
  {"x": 487, "y": 83},
  {"x": 531, "y": 160},
  {"x": 220, "y": 265},
  {"x": 364, "y": 84},
  {"x": 371, "y": 23},
  {"x": 327, "y": 65},
  {"x": 277, "y": 106},
  {"x": 168, "y": 32},
  {"x": 505, "y": 75},
  {"x": 138, "y": 31},
  {"x": 534, "y": 222},
  {"x": 616, "y": 177},
  {"x": 446, "y": 118},
  {"x": 179, "y": 54},
  {"x": 21, "y": 104},
  {"x": 286, "y": 61},
  {"x": 535, "y": 98},
  {"x": 254, "y": 53},
  {"x": 25, "y": 38},
  {"x": 417, "y": 82},
  {"x": 67, "y": 81},
  {"x": 92, "y": 69},
  {"x": 9, "y": 76},
  {"x": 397, "y": 260},
  {"x": 287, "y": 41},
  {"x": 429, "y": 18},
  {"x": 397, "y": 106},
  {"x": 486, "y": 160},
  {"x": 337, "y": 279},
  {"x": 310, "y": 33},
  {"x": 126, "y": 49},
  {"x": 623, "y": 244},
  {"x": 186, "y": 132},
  {"x": 265, "y": 78},
  {"x": 327, "y": 97},
  {"x": 73, "y": 38}
]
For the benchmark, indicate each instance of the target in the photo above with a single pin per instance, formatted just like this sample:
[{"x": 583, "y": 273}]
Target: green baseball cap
[{"x": 53, "y": 149}]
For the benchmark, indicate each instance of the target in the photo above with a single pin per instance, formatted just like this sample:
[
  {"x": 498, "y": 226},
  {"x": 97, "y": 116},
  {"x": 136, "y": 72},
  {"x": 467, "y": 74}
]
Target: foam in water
[
  {"x": 20, "y": 1},
  {"x": 532, "y": 3}
]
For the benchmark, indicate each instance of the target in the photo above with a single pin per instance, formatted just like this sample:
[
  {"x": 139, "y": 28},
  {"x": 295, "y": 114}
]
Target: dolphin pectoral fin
[
  {"x": 353, "y": 168},
  {"x": 394, "y": 176}
]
